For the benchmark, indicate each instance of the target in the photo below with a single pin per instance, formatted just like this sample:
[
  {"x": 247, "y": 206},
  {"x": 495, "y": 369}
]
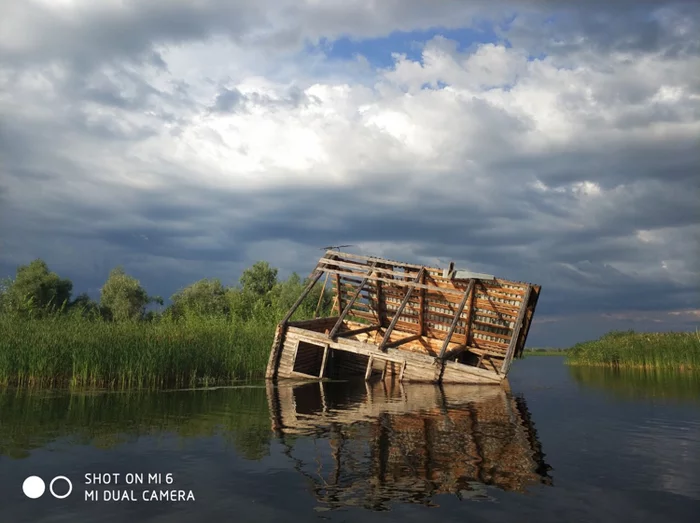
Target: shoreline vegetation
[
  {"x": 639, "y": 350},
  {"x": 210, "y": 334}
]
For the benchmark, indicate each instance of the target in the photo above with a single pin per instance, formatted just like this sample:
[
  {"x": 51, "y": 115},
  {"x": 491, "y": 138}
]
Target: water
[{"x": 563, "y": 445}]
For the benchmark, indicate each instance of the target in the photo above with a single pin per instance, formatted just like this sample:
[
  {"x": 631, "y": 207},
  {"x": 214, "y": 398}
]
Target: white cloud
[{"x": 585, "y": 154}]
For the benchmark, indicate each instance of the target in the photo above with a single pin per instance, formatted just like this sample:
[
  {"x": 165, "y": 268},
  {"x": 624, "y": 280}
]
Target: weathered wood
[
  {"x": 402, "y": 341},
  {"x": 514, "y": 339},
  {"x": 320, "y": 296},
  {"x": 306, "y": 291},
  {"x": 384, "y": 341},
  {"x": 331, "y": 263},
  {"x": 458, "y": 313},
  {"x": 421, "y": 309},
  {"x": 401, "y": 283},
  {"x": 349, "y": 305},
  {"x": 358, "y": 331},
  {"x": 326, "y": 350},
  {"x": 525, "y": 330},
  {"x": 370, "y": 364}
]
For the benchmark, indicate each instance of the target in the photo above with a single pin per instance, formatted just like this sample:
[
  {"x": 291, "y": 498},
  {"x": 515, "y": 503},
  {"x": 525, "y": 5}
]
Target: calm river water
[{"x": 562, "y": 445}]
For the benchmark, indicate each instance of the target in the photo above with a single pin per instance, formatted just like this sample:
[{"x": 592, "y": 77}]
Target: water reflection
[
  {"x": 374, "y": 444},
  {"x": 641, "y": 383},
  {"x": 31, "y": 419}
]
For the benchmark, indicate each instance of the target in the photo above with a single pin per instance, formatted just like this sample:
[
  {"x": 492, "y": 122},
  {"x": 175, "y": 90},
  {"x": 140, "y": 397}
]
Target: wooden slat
[
  {"x": 403, "y": 283},
  {"x": 518, "y": 325},
  {"x": 397, "y": 314},
  {"x": 349, "y": 305},
  {"x": 369, "y": 259},
  {"x": 332, "y": 263}
]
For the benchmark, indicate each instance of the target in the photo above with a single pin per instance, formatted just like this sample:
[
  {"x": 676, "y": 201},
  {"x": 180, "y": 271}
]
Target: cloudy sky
[{"x": 555, "y": 142}]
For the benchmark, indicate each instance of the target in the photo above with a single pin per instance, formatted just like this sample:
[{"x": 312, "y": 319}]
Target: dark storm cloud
[{"x": 57, "y": 206}]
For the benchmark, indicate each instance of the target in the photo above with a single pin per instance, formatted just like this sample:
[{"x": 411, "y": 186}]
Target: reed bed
[
  {"x": 71, "y": 351},
  {"x": 673, "y": 351}
]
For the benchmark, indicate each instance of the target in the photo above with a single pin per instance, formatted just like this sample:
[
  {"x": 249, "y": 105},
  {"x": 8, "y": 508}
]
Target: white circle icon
[
  {"x": 70, "y": 487},
  {"x": 33, "y": 487}
]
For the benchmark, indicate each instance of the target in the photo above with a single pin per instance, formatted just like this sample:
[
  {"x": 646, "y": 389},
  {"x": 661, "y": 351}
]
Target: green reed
[
  {"x": 672, "y": 350},
  {"x": 69, "y": 350}
]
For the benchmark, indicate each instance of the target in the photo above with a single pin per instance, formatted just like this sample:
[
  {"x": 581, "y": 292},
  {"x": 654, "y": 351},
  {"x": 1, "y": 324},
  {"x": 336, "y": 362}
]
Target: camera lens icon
[{"x": 34, "y": 487}]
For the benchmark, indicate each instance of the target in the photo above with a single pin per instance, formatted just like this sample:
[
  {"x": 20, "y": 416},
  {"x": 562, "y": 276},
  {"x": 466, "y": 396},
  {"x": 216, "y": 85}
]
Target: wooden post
[
  {"x": 516, "y": 331},
  {"x": 403, "y": 370},
  {"x": 470, "y": 309},
  {"x": 421, "y": 311},
  {"x": 455, "y": 321},
  {"x": 395, "y": 319},
  {"x": 326, "y": 350},
  {"x": 349, "y": 305},
  {"x": 381, "y": 312},
  {"x": 368, "y": 372}
]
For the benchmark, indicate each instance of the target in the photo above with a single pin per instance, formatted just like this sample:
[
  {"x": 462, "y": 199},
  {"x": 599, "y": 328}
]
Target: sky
[{"x": 556, "y": 143}]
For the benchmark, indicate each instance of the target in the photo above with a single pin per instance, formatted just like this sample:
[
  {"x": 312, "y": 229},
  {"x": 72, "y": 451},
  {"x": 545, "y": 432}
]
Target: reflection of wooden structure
[
  {"x": 407, "y": 322},
  {"x": 377, "y": 444}
]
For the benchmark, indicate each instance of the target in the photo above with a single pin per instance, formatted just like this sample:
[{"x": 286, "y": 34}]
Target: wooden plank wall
[{"x": 489, "y": 318}]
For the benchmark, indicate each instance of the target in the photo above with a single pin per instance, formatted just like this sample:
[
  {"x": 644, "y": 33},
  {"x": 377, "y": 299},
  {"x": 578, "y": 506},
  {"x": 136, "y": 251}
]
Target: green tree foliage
[
  {"x": 122, "y": 298},
  {"x": 36, "y": 290},
  {"x": 259, "y": 279},
  {"x": 205, "y": 297},
  {"x": 85, "y": 306}
]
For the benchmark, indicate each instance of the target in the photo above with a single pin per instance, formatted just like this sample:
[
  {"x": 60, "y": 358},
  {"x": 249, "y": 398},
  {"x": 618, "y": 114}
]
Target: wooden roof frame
[{"x": 364, "y": 269}]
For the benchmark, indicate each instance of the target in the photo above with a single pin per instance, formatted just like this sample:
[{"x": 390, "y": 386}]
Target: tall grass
[
  {"x": 673, "y": 350},
  {"x": 68, "y": 350}
]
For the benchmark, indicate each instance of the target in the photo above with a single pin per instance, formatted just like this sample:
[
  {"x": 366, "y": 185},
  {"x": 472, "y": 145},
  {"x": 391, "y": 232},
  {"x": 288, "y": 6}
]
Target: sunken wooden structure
[
  {"x": 380, "y": 443},
  {"x": 406, "y": 322}
]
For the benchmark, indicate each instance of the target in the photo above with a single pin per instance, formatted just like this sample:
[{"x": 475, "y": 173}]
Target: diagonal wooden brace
[
  {"x": 395, "y": 319},
  {"x": 455, "y": 321},
  {"x": 350, "y": 303}
]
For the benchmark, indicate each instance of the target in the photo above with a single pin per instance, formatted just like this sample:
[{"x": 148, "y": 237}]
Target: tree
[
  {"x": 205, "y": 297},
  {"x": 122, "y": 298},
  {"x": 37, "y": 290},
  {"x": 85, "y": 306},
  {"x": 259, "y": 279}
]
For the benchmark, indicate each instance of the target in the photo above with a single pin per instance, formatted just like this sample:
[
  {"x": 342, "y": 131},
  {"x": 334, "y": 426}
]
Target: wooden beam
[
  {"x": 395, "y": 319},
  {"x": 396, "y": 343},
  {"x": 455, "y": 321},
  {"x": 516, "y": 331},
  {"x": 527, "y": 321},
  {"x": 421, "y": 311},
  {"x": 403, "y": 370},
  {"x": 368, "y": 372},
  {"x": 470, "y": 319},
  {"x": 307, "y": 290},
  {"x": 381, "y": 312},
  {"x": 320, "y": 296},
  {"x": 326, "y": 350},
  {"x": 398, "y": 283},
  {"x": 349, "y": 305},
  {"x": 378, "y": 260},
  {"x": 358, "y": 331},
  {"x": 336, "y": 304}
]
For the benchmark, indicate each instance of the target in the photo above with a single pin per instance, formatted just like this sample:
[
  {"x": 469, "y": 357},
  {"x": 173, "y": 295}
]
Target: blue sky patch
[{"x": 378, "y": 51}]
